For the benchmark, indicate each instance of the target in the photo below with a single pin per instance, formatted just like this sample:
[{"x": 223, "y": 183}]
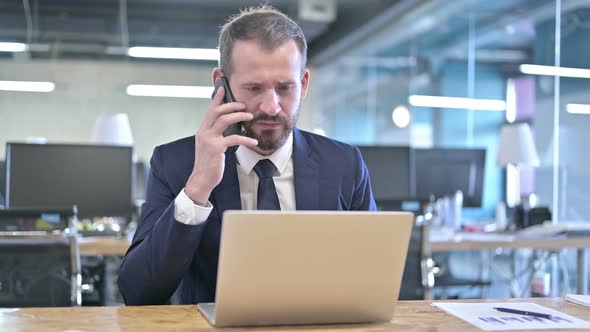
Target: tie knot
[{"x": 265, "y": 168}]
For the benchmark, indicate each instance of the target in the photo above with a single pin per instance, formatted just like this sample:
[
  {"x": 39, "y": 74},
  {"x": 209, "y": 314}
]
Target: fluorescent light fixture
[
  {"x": 455, "y": 102},
  {"x": 174, "y": 53},
  {"x": 178, "y": 91},
  {"x": 578, "y": 108},
  {"x": 13, "y": 47},
  {"x": 25, "y": 86},
  {"x": 555, "y": 71}
]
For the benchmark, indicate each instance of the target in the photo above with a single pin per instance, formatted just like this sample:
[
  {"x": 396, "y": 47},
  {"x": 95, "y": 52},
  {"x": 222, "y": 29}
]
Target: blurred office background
[{"x": 375, "y": 67}]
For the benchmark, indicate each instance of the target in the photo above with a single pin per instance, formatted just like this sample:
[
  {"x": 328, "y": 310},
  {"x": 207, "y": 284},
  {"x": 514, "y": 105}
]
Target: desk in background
[
  {"x": 103, "y": 246},
  {"x": 468, "y": 242},
  {"x": 111, "y": 246},
  {"x": 106, "y": 245},
  {"x": 409, "y": 316},
  {"x": 107, "y": 250}
]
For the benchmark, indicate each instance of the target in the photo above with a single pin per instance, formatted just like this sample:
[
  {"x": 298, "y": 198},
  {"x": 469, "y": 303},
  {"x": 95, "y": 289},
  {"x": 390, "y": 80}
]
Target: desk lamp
[{"x": 112, "y": 129}]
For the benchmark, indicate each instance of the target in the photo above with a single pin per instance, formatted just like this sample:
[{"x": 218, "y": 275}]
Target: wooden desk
[
  {"x": 581, "y": 243},
  {"x": 111, "y": 246},
  {"x": 103, "y": 246},
  {"x": 410, "y": 316}
]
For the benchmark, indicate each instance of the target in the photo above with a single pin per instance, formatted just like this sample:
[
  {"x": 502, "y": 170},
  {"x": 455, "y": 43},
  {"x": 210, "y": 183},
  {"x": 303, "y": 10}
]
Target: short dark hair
[{"x": 265, "y": 24}]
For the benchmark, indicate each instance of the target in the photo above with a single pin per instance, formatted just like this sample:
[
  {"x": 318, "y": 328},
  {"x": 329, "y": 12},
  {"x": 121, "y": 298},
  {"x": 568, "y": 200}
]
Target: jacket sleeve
[
  {"x": 162, "y": 248},
  {"x": 363, "y": 195}
]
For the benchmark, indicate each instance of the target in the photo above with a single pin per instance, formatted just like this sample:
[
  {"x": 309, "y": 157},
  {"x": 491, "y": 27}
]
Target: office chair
[
  {"x": 141, "y": 173},
  {"x": 39, "y": 258},
  {"x": 39, "y": 271},
  {"x": 2, "y": 183},
  {"x": 444, "y": 278},
  {"x": 141, "y": 170},
  {"x": 418, "y": 279}
]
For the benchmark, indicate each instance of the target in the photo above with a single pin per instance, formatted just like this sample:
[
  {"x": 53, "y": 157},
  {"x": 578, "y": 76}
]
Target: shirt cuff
[{"x": 189, "y": 213}]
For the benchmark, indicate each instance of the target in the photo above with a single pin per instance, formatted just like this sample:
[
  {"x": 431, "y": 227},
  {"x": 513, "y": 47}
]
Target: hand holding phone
[
  {"x": 236, "y": 128},
  {"x": 209, "y": 163}
]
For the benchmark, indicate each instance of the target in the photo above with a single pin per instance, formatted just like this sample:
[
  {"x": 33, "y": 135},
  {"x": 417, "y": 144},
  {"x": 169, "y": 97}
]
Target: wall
[{"x": 85, "y": 89}]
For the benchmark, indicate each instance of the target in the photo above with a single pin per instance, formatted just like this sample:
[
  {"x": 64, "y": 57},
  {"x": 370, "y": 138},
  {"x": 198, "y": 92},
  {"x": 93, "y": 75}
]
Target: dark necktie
[{"x": 267, "y": 193}]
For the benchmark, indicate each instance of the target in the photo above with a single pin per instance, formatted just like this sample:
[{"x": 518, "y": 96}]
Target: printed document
[
  {"x": 485, "y": 317},
  {"x": 578, "y": 299}
]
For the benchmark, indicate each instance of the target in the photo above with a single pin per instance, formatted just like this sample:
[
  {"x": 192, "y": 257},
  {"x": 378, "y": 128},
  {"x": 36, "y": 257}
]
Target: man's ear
[
  {"x": 305, "y": 83},
  {"x": 215, "y": 75}
]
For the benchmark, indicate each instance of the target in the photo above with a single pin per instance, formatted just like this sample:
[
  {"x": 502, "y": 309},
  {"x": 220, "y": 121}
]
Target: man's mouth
[{"x": 267, "y": 124}]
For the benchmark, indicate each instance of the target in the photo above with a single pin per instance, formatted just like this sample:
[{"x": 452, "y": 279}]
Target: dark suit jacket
[{"x": 328, "y": 175}]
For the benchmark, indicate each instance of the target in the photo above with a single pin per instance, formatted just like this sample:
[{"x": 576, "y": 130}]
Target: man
[{"x": 195, "y": 179}]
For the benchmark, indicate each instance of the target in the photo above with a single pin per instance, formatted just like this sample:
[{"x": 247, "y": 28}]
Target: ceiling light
[
  {"x": 179, "y": 91},
  {"x": 174, "y": 53},
  {"x": 578, "y": 108},
  {"x": 13, "y": 47},
  {"x": 401, "y": 116},
  {"x": 25, "y": 86},
  {"x": 455, "y": 102},
  {"x": 555, "y": 71},
  {"x": 509, "y": 29}
]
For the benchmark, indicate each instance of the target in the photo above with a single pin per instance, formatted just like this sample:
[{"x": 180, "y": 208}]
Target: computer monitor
[
  {"x": 391, "y": 171},
  {"x": 95, "y": 178},
  {"x": 443, "y": 171},
  {"x": 142, "y": 171}
]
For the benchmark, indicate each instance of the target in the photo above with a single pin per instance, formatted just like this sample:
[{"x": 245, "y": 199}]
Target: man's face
[{"x": 271, "y": 85}]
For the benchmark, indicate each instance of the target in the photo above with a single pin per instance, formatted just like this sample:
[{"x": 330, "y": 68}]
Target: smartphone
[{"x": 236, "y": 128}]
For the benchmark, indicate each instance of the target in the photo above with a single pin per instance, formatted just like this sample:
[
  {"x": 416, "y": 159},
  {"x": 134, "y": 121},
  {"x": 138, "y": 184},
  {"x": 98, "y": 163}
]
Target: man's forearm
[{"x": 158, "y": 259}]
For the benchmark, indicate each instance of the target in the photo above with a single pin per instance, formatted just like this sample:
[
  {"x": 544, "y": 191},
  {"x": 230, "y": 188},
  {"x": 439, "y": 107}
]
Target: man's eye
[
  {"x": 253, "y": 88},
  {"x": 285, "y": 87}
]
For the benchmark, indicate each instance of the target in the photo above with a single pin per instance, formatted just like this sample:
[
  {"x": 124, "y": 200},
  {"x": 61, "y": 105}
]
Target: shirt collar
[{"x": 247, "y": 158}]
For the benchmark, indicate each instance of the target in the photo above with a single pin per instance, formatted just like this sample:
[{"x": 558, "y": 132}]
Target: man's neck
[{"x": 248, "y": 157}]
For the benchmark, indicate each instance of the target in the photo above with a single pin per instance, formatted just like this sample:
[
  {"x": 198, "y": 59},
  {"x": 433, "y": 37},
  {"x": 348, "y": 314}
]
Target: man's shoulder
[
  {"x": 179, "y": 144},
  {"x": 175, "y": 159}
]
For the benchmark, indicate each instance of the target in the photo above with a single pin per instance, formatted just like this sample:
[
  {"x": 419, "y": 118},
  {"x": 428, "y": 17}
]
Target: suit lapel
[
  {"x": 227, "y": 192},
  {"x": 306, "y": 174}
]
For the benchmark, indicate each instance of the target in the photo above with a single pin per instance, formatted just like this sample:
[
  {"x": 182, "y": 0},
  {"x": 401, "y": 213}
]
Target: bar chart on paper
[{"x": 485, "y": 317}]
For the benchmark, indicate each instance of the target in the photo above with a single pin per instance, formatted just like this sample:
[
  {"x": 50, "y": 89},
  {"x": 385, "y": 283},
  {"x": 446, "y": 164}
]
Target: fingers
[
  {"x": 218, "y": 98},
  {"x": 209, "y": 118},
  {"x": 226, "y": 120},
  {"x": 218, "y": 108},
  {"x": 234, "y": 140}
]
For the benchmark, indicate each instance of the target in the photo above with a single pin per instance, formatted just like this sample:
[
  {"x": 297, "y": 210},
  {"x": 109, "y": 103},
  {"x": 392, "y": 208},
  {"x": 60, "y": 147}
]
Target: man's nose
[{"x": 270, "y": 103}]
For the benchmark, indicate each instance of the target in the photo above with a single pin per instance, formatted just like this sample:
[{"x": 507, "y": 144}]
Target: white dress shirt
[{"x": 187, "y": 212}]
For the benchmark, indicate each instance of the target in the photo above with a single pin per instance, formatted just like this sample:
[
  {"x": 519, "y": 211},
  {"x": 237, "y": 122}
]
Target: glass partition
[{"x": 507, "y": 59}]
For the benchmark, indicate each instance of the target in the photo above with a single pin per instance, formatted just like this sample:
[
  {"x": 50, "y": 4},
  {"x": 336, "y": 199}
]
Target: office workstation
[{"x": 472, "y": 116}]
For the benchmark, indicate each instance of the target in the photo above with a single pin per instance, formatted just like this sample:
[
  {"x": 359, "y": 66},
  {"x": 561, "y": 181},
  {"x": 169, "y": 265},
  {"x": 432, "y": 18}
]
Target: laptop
[{"x": 308, "y": 267}]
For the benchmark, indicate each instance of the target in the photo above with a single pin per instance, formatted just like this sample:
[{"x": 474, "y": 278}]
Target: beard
[{"x": 268, "y": 140}]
